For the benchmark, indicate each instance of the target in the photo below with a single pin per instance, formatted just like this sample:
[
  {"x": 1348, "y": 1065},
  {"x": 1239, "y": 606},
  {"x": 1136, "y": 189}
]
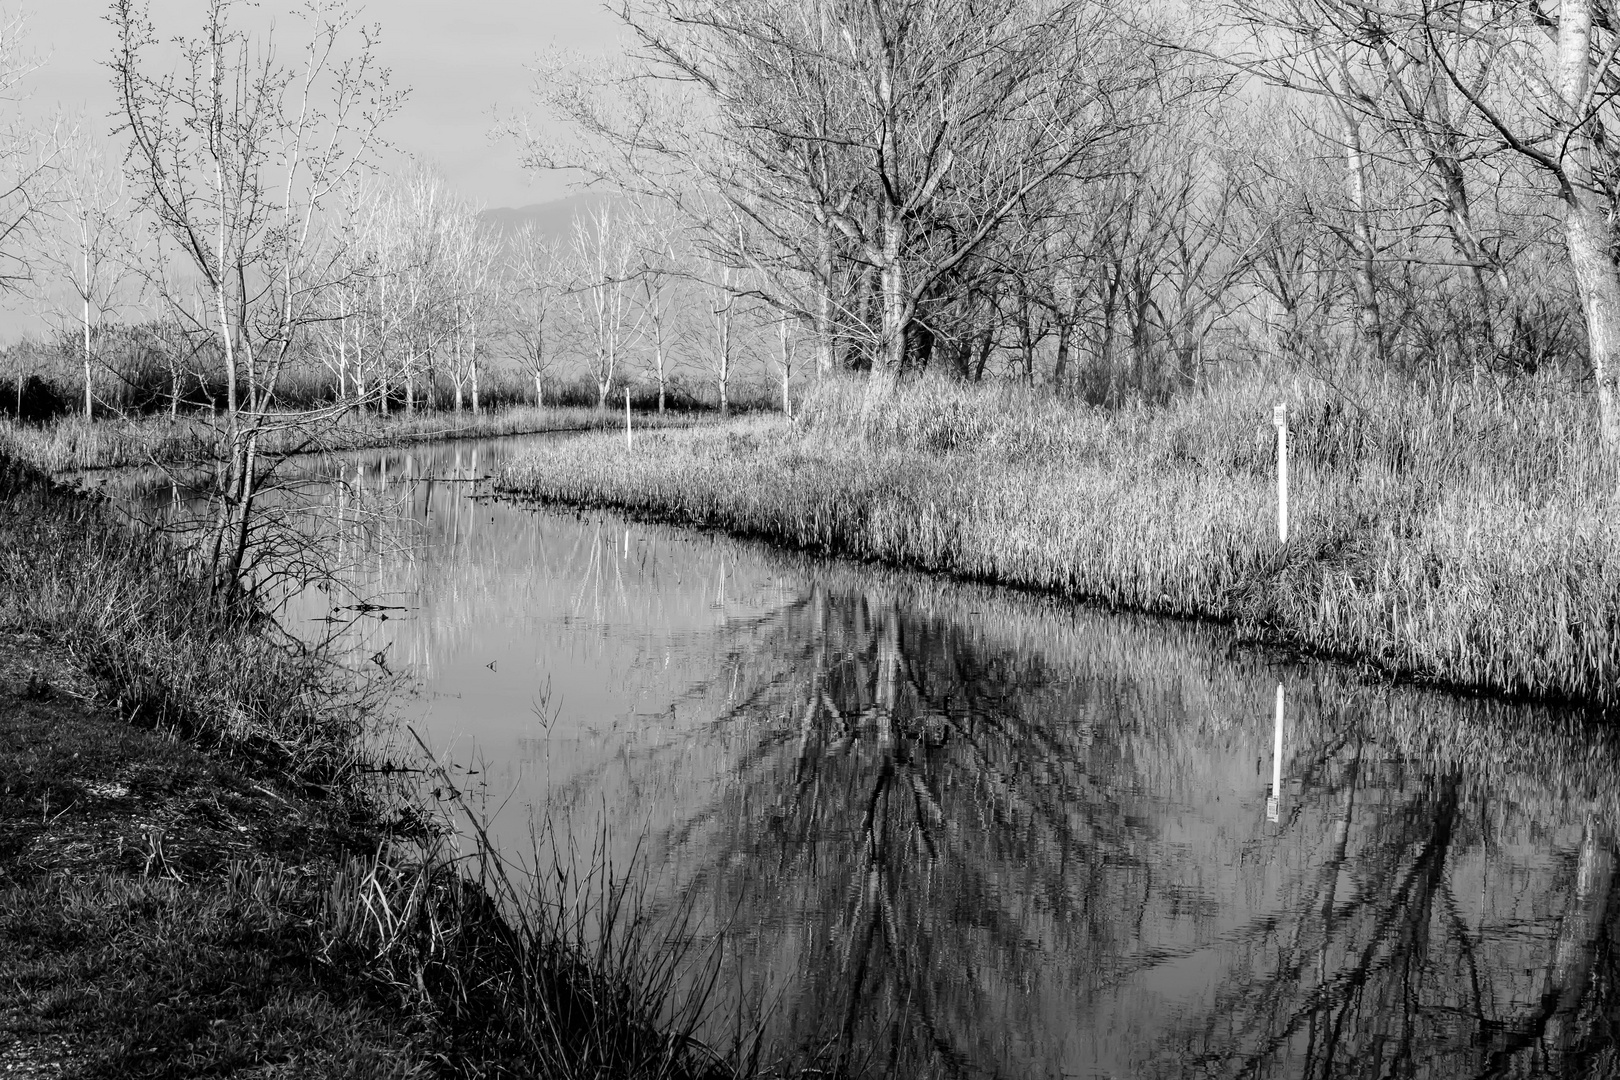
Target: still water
[{"x": 951, "y": 831}]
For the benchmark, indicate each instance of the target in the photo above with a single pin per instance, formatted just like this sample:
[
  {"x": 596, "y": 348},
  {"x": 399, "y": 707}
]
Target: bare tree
[
  {"x": 93, "y": 246},
  {"x": 1545, "y": 82},
  {"x": 236, "y": 154},
  {"x": 532, "y": 264},
  {"x": 603, "y": 269},
  {"x": 27, "y": 158},
  {"x": 661, "y": 278},
  {"x": 895, "y": 138},
  {"x": 785, "y": 360}
]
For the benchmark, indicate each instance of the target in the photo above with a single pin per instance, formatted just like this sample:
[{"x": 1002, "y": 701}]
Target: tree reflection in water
[{"x": 975, "y": 861}]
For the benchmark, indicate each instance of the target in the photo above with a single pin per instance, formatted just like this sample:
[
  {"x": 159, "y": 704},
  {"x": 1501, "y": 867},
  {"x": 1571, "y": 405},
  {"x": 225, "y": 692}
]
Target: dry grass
[
  {"x": 232, "y": 932},
  {"x": 1462, "y": 537},
  {"x": 72, "y": 443},
  {"x": 163, "y": 654}
]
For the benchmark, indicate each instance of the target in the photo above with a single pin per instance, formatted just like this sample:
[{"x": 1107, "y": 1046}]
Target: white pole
[
  {"x": 627, "y": 443},
  {"x": 1276, "y": 759},
  {"x": 1279, "y": 417}
]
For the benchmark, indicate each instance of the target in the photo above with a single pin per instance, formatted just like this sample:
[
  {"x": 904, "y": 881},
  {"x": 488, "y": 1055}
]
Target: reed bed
[
  {"x": 1447, "y": 534},
  {"x": 72, "y": 443}
]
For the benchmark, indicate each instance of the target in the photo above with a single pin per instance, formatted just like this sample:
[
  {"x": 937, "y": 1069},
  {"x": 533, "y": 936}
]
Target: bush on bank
[{"x": 1457, "y": 535}]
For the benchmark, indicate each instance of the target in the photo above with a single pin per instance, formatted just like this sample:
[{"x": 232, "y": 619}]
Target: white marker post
[
  {"x": 1279, "y": 417},
  {"x": 627, "y": 443},
  {"x": 1276, "y": 760}
]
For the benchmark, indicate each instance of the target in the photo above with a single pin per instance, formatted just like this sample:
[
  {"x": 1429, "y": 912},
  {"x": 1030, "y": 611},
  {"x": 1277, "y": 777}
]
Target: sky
[{"x": 461, "y": 59}]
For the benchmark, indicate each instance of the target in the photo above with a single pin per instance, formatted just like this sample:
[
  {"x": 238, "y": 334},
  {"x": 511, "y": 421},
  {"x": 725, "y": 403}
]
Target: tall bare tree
[
  {"x": 236, "y": 154},
  {"x": 897, "y": 138},
  {"x": 603, "y": 270},
  {"x": 532, "y": 265},
  {"x": 1545, "y": 79},
  {"x": 92, "y": 245}
]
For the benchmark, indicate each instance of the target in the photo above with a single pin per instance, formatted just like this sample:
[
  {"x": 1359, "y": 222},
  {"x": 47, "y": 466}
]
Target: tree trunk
[
  {"x": 986, "y": 344},
  {"x": 1587, "y": 231},
  {"x": 892, "y": 282},
  {"x": 1591, "y": 239},
  {"x": 89, "y": 401},
  {"x": 539, "y": 394},
  {"x": 1369, "y": 320},
  {"x": 824, "y": 315},
  {"x": 722, "y": 316}
]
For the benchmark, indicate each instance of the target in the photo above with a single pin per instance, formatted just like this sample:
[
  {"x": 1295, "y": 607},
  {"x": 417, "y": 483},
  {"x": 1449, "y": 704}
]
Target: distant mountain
[{"x": 554, "y": 218}]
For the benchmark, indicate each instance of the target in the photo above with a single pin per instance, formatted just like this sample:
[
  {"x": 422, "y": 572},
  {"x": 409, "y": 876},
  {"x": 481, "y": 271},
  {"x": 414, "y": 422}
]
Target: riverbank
[
  {"x": 1446, "y": 535},
  {"x": 201, "y": 873},
  {"x": 73, "y": 444}
]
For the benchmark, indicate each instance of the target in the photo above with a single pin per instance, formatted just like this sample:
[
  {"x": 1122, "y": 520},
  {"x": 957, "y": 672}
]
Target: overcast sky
[{"x": 461, "y": 59}]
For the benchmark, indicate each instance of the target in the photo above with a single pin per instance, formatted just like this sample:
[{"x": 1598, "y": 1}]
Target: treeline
[
  {"x": 1112, "y": 202},
  {"x": 433, "y": 306},
  {"x": 1071, "y": 192}
]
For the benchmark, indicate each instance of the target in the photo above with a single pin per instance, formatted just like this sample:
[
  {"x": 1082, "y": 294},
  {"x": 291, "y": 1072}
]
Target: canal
[{"x": 929, "y": 829}]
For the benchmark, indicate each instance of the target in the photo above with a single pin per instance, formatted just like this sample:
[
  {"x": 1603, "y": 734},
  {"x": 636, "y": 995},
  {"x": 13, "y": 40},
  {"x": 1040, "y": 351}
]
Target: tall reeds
[{"x": 1462, "y": 536}]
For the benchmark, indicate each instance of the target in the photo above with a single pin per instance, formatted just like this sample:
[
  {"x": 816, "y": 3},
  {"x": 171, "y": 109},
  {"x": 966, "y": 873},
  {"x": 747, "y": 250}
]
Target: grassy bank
[
  {"x": 1444, "y": 534},
  {"x": 72, "y": 443},
  {"x": 198, "y": 877}
]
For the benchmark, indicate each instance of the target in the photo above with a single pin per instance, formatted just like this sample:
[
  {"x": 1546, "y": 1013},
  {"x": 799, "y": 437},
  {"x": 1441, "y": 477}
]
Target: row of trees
[
  {"x": 434, "y": 292},
  {"x": 421, "y": 292},
  {"x": 1069, "y": 190}
]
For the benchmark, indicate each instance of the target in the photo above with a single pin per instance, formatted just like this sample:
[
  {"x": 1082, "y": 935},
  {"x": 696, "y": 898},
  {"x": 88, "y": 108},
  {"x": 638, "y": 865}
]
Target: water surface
[{"x": 951, "y": 831}]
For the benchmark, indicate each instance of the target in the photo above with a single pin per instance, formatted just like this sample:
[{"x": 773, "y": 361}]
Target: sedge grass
[{"x": 1460, "y": 536}]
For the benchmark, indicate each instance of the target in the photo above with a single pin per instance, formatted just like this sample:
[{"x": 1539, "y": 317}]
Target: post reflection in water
[
  {"x": 1273, "y": 803},
  {"x": 951, "y": 832}
]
